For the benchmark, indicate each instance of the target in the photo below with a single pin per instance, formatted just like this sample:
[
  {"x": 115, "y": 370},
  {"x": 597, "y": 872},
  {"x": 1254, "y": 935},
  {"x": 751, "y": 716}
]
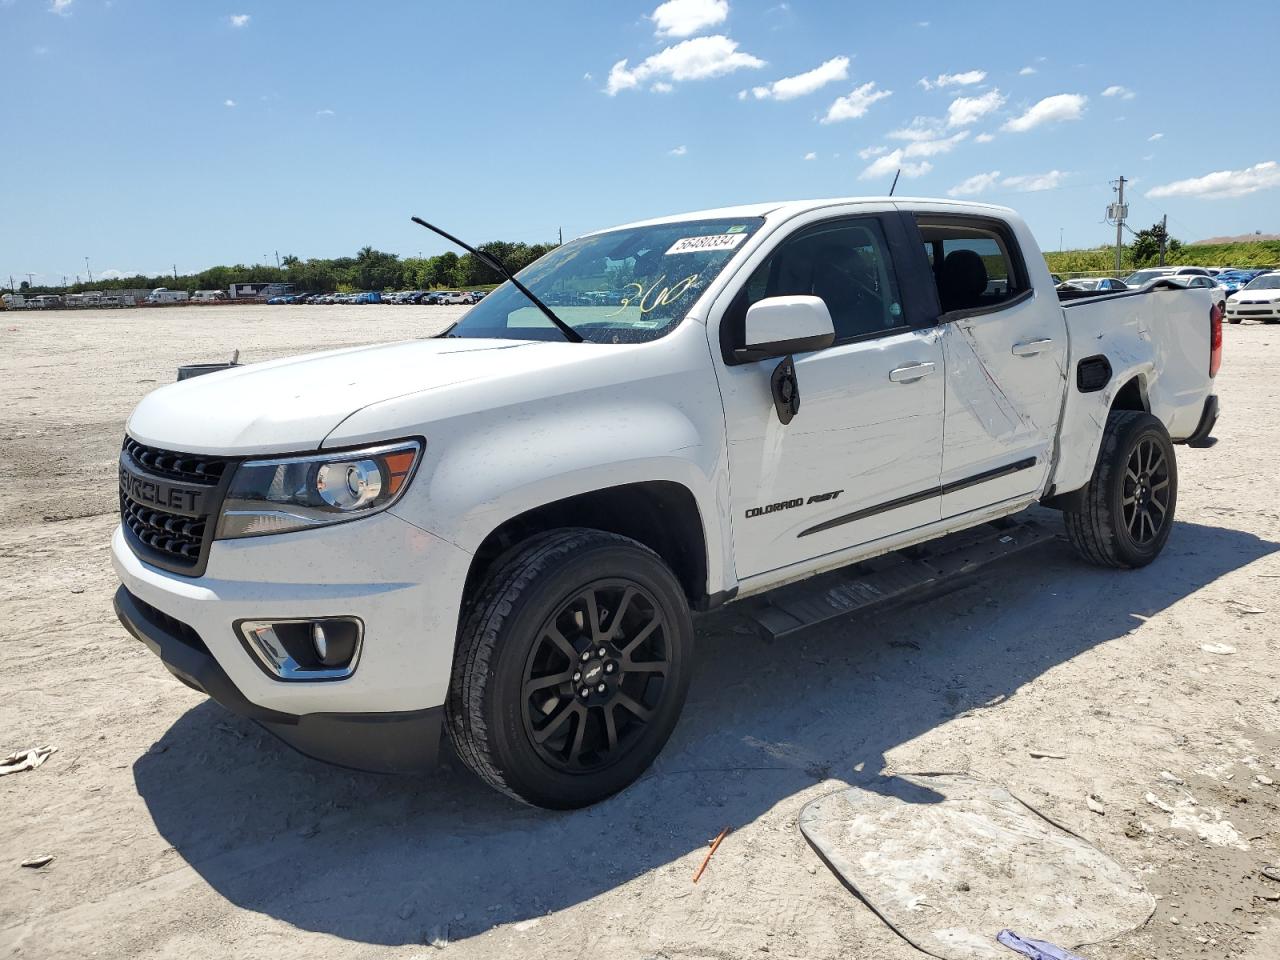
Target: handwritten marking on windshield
[{"x": 661, "y": 298}]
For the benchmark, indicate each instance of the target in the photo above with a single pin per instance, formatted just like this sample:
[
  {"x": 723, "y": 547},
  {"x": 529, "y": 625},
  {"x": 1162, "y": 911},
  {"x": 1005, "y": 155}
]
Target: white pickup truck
[{"x": 502, "y": 532}]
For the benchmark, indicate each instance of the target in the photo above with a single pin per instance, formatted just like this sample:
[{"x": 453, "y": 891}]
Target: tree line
[{"x": 369, "y": 269}]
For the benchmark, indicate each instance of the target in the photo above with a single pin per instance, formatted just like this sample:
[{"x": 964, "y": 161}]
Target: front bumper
[
  {"x": 398, "y": 742},
  {"x": 1253, "y": 311},
  {"x": 404, "y": 584}
]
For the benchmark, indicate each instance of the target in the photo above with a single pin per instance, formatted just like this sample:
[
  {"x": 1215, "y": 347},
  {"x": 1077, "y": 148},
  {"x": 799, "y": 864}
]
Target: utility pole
[
  {"x": 1060, "y": 239},
  {"x": 561, "y": 236},
  {"x": 1121, "y": 212},
  {"x": 175, "y": 273},
  {"x": 87, "y": 270},
  {"x": 277, "y": 259},
  {"x": 1164, "y": 236}
]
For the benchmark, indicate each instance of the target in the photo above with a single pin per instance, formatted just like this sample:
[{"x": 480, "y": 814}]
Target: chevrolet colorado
[{"x": 501, "y": 532}]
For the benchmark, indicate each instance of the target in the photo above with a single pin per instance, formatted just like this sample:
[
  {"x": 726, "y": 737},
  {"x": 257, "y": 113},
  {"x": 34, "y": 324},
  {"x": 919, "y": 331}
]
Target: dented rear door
[{"x": 1005, "y": 351}]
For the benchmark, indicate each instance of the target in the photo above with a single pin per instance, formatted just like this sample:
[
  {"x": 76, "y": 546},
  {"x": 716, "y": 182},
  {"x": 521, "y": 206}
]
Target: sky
[{"x": 147, "y": 135}]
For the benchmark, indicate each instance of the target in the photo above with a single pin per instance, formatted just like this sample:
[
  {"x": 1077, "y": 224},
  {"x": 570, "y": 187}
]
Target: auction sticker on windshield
[{"x": 717, "y": 241}]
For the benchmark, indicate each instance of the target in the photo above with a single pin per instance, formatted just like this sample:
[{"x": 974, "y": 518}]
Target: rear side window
[{"x": 976, "y": 265}]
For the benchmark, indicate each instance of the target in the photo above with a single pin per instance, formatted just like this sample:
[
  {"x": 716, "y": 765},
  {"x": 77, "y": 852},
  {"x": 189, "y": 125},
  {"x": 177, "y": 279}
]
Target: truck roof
[{"x": 789, "y": 208}]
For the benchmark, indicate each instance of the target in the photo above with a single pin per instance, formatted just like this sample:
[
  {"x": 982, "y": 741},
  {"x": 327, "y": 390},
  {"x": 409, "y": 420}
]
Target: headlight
[{"x": 296, "y": 493}]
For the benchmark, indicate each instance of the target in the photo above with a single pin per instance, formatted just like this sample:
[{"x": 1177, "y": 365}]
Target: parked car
[
  {"x": 1196, "y": 282},
  {"x": 453, "y": 298},
  {"x": 1259, "y": 300},
  {"x": 1099, "y": 284},
  {"x": 503, "y": 532},
  {"x": 1140, "y": 278}
]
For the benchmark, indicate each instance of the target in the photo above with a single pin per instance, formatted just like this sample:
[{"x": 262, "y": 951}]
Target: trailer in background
[{"x": 259, "y": 291}]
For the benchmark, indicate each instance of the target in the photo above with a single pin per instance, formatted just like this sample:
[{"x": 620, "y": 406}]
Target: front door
[{"x": 861, "y": 459}]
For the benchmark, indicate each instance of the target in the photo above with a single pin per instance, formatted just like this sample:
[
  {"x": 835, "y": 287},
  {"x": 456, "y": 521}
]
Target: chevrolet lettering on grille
[{"x": 182, "y": 498}]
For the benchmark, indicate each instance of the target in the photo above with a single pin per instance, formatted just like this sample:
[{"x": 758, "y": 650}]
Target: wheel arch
[{"x": 661, "y": 514}]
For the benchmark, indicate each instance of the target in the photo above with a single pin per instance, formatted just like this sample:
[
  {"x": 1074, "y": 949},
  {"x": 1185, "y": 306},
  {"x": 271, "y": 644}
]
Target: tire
[
  {"x": 1233, "y": 319},
  {"x": 1128, "y": 507},
  {"x": 534, "y": 709}
]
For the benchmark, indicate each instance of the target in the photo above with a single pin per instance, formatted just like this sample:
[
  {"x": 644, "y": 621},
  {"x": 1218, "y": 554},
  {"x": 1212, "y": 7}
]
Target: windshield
[
  {"x": 625, "y": 286},
  {"x": 1268, "y": 281},
  {"x": 1143, "y": 276}
]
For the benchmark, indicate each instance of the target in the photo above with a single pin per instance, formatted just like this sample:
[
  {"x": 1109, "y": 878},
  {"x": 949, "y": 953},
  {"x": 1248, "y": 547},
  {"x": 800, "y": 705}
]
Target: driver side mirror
[{"x": 779, "y": 326}]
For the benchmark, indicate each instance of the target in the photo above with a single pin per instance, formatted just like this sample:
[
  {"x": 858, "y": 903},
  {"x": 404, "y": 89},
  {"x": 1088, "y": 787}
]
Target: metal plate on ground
[{"x": 949, "y": 860}]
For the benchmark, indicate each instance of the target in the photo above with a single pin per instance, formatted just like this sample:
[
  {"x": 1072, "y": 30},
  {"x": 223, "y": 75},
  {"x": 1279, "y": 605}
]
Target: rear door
[{"x": 1005, "y": 348}]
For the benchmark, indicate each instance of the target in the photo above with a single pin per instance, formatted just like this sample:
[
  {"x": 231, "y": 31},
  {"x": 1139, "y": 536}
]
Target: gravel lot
[{"x": 180, "y": 830}]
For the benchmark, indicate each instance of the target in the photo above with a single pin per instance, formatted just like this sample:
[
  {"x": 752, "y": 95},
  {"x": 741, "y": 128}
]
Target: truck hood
[{"x": 294, "y": 403}]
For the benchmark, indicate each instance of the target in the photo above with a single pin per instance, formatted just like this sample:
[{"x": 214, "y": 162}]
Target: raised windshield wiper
[{"x": 493, "y": 263}]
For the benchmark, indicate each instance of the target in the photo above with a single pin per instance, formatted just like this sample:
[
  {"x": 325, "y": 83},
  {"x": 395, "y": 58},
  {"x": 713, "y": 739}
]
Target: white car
[
  {"x": 502, "y": 532},
  {"x": 1098, "y": 284},
  {"x": 1260, "y": 300}
]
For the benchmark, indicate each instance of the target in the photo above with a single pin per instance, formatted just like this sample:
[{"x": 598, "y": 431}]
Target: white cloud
[
  {"x": 1032, "y": 182},
  {"x": 983, "y": 138},
  {"x": 661, "y": 86},
  {"x": 890, "y": 163},
  {"x": 866, "y": 153},
  {"x": 588, "y": 76},
  {"x": 679, "y": 151},
  {"x": 978, "y": 183},
  {"x": 113, "y": 274},
  {"x": 698, "y": 59},
  {"x": 1063, "y": 106},
  {"x": 802, "y": 84},
  {"x": 922, "y": 23},
  {"x": 811, "y": 155},
  {"x": 1154, "y": 137},
  {"x": 239, "y": 20},
  {"x": 921, "y": 128},
  {"x": 966, "y": 110},
  {"x": 856, "y": 104},
  {"x": 61, "y": 7},
  {"x": 931, "y": 148},
  {"x": 1026, "y": 71},
  {"x": 228, "y": 103},
  {"x": 684, "y": 18},
  {"x": 326, "y": 112},
  {"x": 1223, "y": 184},
  {"x": 966, "y": 79},
  {"x": 1124, "y": 93}
]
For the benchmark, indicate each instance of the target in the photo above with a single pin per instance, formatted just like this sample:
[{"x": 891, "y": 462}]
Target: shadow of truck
[{"x": 382, "y": 859}]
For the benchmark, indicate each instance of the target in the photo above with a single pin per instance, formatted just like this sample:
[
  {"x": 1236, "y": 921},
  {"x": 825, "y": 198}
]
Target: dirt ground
[{"x": 179, "y": 830}]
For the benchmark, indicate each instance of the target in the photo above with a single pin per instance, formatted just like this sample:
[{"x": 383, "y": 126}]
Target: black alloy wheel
[
  {"x": 596, "y": 675},
  {"x": 1145, "y": 497}
]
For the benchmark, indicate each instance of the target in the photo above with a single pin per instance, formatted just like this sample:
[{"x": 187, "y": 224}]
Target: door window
[
  {"x": 846, "y": 263},
  {"x": 975, "y": 265}
]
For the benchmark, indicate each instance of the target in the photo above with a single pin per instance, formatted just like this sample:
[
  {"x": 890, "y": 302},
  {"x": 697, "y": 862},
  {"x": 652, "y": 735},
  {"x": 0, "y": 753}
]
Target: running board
[{"x": 925, "y": 569}]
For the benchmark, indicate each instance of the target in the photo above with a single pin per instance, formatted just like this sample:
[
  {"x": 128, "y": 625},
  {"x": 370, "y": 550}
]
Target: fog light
[{"x": 326, "y": 649}]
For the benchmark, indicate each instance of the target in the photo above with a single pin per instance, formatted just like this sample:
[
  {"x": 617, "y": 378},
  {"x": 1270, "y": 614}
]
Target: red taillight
[{"x": 1215, "y": 340}]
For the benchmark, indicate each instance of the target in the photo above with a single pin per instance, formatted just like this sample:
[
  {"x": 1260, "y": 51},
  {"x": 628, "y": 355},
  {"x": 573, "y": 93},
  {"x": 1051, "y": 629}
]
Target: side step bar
[{"x": 883, "y": 580}]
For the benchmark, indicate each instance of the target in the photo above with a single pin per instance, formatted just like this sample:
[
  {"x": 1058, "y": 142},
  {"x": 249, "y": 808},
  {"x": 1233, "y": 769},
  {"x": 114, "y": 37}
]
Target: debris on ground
[
  {"x": 25, "y": 759},
  {"x": 1271, "y": 873},
  {"x": 1034, "y": 949},
  {"x": 38, "y": 862},
  {"x": 1045, "y": 755},
  {"x": 918, "y": 848},
  {"x": 715, "y": 844},
  {"x": 1155, "y": 801},
  {"x": 1222, "y": 649},
  {"x": 1094, "y": 803}
]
